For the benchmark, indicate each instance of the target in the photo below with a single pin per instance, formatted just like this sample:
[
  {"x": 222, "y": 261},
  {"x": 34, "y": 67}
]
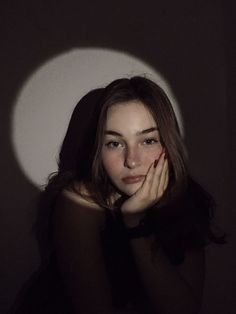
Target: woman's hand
[{"x": 152, "y": 189}]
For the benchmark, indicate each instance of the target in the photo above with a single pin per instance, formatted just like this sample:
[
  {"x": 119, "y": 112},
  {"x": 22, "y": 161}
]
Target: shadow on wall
[{"x": 182, "y": 41}]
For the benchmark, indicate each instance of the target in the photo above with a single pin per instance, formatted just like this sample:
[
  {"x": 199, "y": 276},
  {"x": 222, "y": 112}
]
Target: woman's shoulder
[
  {"x": 73, "y": 211},
  {"x": 78, "y": 195}
]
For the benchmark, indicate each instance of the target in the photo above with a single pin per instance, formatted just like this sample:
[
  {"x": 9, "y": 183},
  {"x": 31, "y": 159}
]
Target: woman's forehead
[
  {"x": 131, "y": 116},
  {"x": 132, "y": 110}
]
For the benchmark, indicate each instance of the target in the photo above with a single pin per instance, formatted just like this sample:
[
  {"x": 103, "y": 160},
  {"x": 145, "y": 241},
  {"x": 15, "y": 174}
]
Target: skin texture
[{"x": 131, "y": 150}]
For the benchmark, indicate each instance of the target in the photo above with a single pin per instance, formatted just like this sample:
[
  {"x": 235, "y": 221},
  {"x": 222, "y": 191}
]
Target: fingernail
[
  {"x": 162, "y": 155},
  {"x": 155, "y": 163}
]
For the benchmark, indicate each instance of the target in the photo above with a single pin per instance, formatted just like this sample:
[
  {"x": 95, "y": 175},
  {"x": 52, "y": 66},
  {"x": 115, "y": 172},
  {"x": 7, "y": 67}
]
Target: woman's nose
[{"x": 132, "y": 158}]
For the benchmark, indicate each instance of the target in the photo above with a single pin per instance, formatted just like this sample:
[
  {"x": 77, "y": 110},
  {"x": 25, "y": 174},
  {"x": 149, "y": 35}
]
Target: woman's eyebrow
[{"x": 149, "y": 130}]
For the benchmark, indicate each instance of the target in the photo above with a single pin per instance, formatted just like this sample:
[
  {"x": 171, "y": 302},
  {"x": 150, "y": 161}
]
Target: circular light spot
[{"x": 46, "y": 101}]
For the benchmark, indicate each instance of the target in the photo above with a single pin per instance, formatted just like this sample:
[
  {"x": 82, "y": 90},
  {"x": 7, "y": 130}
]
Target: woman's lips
[{"x": 133, "y": 179}]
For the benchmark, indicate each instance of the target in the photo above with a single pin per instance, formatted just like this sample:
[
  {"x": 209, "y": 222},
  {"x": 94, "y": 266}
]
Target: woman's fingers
[
  {"x": 139, "y": 201},
  {"x": 155, "y": 179},
  {"x": 152, "y": 188},
  {"x": 163, "y": 179},
  {"x": 166, "y": 177},
  {"x": 147, "y": 184},
  {"x": 158, "y": 176}
]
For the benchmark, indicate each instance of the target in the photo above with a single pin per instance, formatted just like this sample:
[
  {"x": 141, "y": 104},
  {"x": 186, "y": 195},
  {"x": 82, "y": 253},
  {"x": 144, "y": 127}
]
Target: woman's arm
[
  {"x": 76, "y": 234},
  {"x": 171, "y": 289}
]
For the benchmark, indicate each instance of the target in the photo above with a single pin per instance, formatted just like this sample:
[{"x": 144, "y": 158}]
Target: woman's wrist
[
  {"x": 132, "y": 220},
  {"x": 133, "y": 225}
]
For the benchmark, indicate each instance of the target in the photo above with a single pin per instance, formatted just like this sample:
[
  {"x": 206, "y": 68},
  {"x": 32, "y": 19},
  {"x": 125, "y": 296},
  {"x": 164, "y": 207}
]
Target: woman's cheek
[
  {"x": 152, "y": 155},
  {"x": 111, "y": 164}
]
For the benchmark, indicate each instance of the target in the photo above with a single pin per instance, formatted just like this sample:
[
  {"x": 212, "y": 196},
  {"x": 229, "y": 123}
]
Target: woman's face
[{"x": 131, "y": 144}]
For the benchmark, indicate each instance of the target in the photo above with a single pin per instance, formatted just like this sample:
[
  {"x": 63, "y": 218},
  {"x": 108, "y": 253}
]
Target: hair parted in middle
[
  {"x": 156, "y": 101},
  {"x": 80, "y": 155}
]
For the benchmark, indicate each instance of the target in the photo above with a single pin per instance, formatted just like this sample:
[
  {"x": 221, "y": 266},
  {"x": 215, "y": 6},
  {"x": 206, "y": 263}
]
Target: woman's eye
[
  {"x": 150, "y": 141},
  {"x": 112, "y": 144}
]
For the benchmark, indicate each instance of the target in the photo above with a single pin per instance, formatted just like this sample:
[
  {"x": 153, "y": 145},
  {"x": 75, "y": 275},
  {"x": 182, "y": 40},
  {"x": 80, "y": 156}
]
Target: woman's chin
[{"x": 131, "y": 189}]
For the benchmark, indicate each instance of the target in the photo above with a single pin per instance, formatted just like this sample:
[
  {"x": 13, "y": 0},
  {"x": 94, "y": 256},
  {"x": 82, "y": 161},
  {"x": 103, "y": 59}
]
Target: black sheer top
[{"x": 178, "y": 227}]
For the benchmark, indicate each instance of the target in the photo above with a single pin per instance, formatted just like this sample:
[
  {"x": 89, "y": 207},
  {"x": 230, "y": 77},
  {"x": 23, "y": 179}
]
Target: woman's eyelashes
[
  {"x": 118, "y": 144},
  {"x": 113, "y": 144},
  {"x": 151, "y": 141}
]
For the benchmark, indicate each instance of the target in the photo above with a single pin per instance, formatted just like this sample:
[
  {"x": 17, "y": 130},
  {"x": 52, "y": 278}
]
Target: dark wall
[{"x": 191, "y": 43}]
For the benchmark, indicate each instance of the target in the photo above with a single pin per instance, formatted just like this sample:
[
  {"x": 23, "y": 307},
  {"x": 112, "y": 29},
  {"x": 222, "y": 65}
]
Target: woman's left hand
[{"x": 152, "y": 189}]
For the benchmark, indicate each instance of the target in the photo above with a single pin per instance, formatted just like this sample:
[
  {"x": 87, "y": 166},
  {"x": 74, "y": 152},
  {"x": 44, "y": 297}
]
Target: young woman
[{"x": 126, "y": 224}]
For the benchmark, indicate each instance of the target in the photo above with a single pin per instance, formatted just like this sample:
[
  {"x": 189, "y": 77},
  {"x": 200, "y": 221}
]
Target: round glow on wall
[{"x": 46, "y": 101}]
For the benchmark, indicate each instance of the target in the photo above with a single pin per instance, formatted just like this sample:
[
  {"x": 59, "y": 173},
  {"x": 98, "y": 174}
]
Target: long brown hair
[
  {"x": 156, "y": 101},
  {"x": 80, "y": 154}
]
